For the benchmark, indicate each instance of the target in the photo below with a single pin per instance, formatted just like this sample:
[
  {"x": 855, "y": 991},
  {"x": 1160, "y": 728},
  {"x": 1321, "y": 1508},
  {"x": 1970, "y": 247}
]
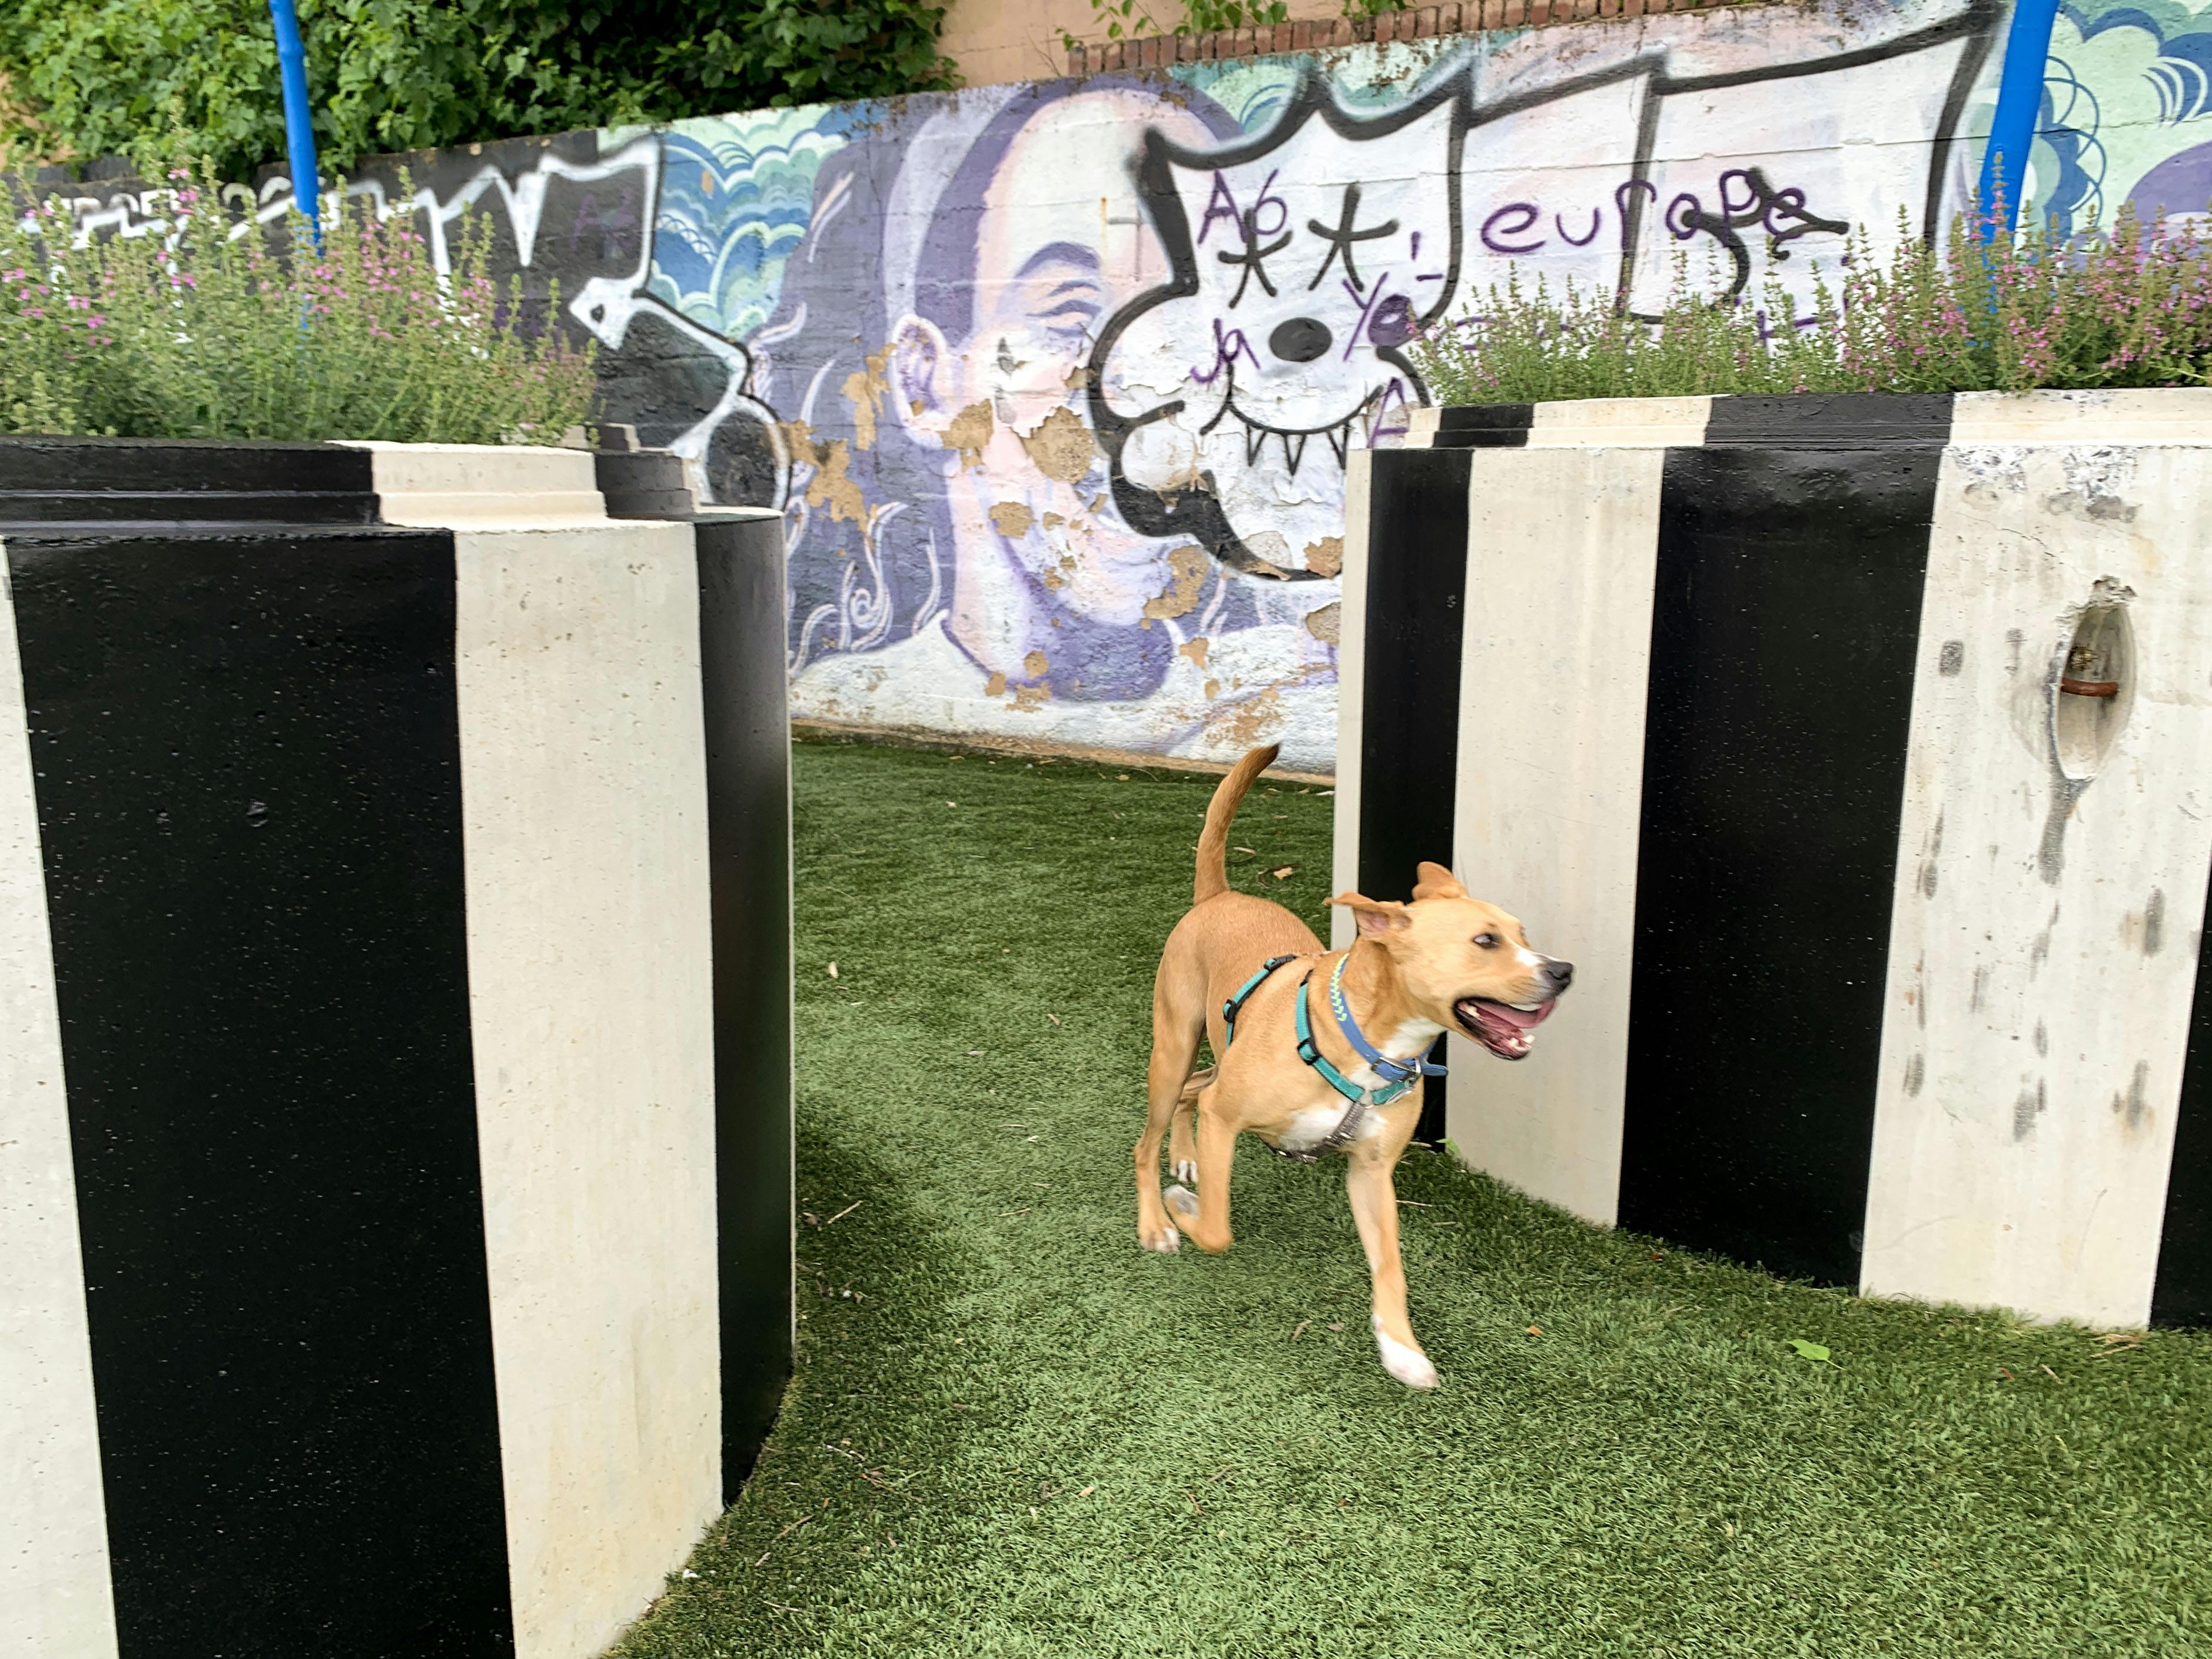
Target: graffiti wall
[{"x": 1054, "y": 383}]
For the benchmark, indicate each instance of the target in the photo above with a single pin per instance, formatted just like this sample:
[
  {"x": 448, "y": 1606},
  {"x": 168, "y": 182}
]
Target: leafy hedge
[{"x": 157, "y": 80}]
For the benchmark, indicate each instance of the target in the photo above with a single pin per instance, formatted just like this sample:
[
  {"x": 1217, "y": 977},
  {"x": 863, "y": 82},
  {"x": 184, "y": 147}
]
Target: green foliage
[
  {"x": 1207, "y": 17},
  {"x": 199, "y": 333},
  {"x": 1125, "y": 21},
  {"x": 1128, "y": 20},
  {"x": 103, "y": 75},
  {"x": 2127, "y": 306}
]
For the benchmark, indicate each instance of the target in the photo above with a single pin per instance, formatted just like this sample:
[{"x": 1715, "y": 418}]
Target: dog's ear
[
  {"x": 1437, "y": 883},
  {"x": 1376, "y": 917}
]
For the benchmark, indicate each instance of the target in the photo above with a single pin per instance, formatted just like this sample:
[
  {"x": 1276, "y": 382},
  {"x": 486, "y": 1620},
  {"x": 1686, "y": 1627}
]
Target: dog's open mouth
[{"x": 1503, "y": 1028}]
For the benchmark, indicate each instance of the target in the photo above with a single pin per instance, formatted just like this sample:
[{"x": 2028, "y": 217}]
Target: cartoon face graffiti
[{"x": 1303, "y": 263}]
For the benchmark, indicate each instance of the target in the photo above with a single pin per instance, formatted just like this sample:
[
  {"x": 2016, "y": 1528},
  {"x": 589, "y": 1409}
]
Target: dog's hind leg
[
  {"x": 1175, "y": 1045},
  {"x": 1183, "y": 1137}
]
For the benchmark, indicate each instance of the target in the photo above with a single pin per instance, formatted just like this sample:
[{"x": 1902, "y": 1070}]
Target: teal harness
[{"x": 1398, "y": 1075}]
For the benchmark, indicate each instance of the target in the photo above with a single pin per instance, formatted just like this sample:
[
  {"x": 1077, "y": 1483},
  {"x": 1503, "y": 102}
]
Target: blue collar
[{"x": 1389, "y": 1070}]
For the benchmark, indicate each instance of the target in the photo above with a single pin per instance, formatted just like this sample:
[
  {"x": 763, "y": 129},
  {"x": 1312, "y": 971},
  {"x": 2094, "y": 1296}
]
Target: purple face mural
[{"x": 946, "y": 477}]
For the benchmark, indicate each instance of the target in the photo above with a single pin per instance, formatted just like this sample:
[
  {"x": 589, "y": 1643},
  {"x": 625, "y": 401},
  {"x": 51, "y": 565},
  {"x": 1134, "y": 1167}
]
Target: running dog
[{"x": 1319, "y": 1051}]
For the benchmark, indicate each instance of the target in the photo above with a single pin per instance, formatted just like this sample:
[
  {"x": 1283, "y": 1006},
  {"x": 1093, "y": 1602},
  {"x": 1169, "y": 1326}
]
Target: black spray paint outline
[
  {"x": 1976, "y": 24},
  {"x": 605, "y": 307},
  {"x": 1196, "y": 513}
]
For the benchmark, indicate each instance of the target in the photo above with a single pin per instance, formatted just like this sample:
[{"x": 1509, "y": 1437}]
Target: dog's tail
[{"x": 1213, "y": 845}]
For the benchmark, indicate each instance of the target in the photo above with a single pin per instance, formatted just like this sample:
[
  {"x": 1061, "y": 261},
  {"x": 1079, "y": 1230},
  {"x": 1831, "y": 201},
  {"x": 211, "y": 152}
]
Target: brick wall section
[{"x": 1415, "y": 23}]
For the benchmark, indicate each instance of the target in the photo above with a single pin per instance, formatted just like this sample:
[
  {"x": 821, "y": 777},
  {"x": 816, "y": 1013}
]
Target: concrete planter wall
[
  {"x": 1856, "y": 749},
  {"x": 395, "y": 1159}
]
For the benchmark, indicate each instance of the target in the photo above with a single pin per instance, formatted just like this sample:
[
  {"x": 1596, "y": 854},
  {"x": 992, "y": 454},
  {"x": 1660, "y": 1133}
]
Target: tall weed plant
[
  {"x": 2129, "y": 306},
  {"x": 220, "y": 325}
]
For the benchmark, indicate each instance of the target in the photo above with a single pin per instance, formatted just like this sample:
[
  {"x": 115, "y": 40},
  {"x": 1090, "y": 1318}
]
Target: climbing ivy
[{"x": 156, "y": 80}]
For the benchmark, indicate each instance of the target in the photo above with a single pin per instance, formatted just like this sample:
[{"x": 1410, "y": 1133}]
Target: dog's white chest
[{"x": 1308, "y": 1128}]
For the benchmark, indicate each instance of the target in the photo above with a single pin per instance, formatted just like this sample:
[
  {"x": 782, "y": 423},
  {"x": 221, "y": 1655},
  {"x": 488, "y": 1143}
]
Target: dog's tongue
[{"x": 1526, "y": 1021}]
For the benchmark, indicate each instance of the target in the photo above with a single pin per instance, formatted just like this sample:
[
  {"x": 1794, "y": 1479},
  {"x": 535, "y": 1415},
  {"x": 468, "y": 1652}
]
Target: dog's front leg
[{"x": 1375, "y": 1208}]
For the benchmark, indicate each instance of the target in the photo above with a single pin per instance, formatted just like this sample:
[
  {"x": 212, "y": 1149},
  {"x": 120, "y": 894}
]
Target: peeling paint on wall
[
  {"x": 1191, "y": 568},
  {"x": 1082, "y": 361}
]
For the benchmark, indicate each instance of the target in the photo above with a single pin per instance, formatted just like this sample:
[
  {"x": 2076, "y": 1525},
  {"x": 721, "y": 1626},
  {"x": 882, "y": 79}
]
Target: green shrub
[
  {"x": 2127, "y": 306},
  {"x": 102, "y": 77},
  {"x": 226, "y": 328}
]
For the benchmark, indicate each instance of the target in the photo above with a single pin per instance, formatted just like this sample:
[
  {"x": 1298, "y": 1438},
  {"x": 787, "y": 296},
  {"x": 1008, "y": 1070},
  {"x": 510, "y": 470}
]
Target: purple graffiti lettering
[
  {"x": 1263, "y": 201},
  {"x": 1628, "y": 219},
  {"x": 1367, "y": 303},
  {"x": 1221, "y": 204},
  {"x": 1417, "y": 246},
  {"x": 1761, "y": 206},
  {"x": 1597, "y": 223},
  {"x": 1229, "y": 344},
  {"x": 1780, "y": 213},
  {"x": 1392, "y": 324},
  {"x": 1389, "y": 419},
  {"x": 1524, "y": 216}
]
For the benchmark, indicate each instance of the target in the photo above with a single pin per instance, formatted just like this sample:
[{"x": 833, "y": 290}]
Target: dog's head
[{"x": 1466, "y": 964}]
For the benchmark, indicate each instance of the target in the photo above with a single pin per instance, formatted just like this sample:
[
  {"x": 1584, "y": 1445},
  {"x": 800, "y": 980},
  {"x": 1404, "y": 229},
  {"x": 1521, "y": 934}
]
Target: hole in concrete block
[{"x": 2095, "y": 688}]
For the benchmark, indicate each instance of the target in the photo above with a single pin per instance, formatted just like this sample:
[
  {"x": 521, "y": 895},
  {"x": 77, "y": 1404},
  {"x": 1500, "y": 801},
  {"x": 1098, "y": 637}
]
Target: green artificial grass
[{"x": 1013, "y": 1433}]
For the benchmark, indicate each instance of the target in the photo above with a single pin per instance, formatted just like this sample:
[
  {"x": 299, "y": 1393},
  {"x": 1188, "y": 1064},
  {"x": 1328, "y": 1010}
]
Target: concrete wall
[
  {"x": 1889, "y": 926},
  {"x": 396, "y": 990},
  {"x": 1036, "y": 372}
]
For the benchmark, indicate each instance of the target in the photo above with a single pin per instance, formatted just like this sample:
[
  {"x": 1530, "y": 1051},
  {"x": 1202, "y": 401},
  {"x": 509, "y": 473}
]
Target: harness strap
[
  {"x": 1309, "y": 1051},
  {"x": 1399, "y": 1075},
  {"x": 1234, "y": 1006}
]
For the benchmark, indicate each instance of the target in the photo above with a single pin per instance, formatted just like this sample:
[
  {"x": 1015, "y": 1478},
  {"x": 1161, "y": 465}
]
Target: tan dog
[{"x": 1444, "y": 962}]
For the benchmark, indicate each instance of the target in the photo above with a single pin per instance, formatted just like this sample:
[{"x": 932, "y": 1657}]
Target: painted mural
[{"x": 1055, "y": 383}]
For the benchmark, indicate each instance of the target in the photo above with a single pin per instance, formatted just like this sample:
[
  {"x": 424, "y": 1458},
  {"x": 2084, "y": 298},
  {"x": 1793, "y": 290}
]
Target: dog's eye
[{"x": 1487, "y": 941}]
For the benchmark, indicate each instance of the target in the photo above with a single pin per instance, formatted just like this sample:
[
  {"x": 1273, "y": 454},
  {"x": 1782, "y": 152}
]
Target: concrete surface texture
[
  {"x": 395, "y": 1055},
  {"x": 1055, "y": 380},
  {"x": 1862, "y": 736}
]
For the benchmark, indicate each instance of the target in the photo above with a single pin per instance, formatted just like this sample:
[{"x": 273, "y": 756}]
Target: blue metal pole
[
  {"x": 2020, "y": 100},
  {"x": 299, "y": 128}
]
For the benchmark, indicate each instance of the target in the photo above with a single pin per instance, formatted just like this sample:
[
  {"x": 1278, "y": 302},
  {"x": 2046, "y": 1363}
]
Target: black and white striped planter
[
  {"x": 395, "y": 1044},
  {"x": 1888, "y": 937}
]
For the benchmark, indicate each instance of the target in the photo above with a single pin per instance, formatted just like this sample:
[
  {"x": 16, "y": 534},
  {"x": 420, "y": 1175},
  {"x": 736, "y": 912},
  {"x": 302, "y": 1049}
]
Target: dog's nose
[{"x": 1561, "y": 974}]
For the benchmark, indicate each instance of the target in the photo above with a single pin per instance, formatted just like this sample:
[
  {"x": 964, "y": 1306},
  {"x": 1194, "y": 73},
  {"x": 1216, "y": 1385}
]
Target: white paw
[
  {"x": 1187, "y": 1170},
  {"x": 1181, "y": 1200},
  {"x": 1409, "y": 1365},
  {"x": 1167, "y": 1241}
]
